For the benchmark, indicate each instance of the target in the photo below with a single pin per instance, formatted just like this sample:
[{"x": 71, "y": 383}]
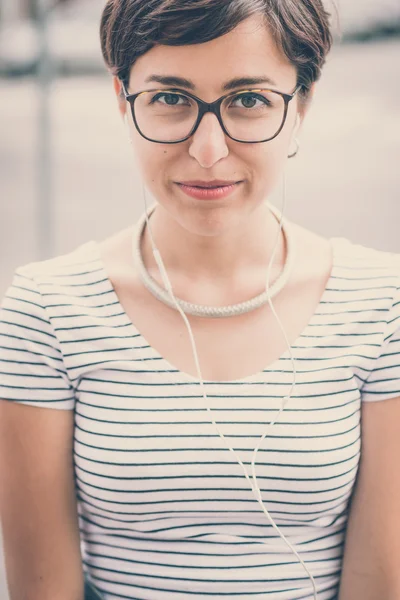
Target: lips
[
  {"x": 215, "y": 183},
  {"x": 209, "y": 190}
]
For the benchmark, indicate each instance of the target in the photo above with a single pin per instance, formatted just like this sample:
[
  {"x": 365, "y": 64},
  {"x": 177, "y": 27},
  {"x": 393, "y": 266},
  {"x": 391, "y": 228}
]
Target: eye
[
  {"x": 251, "y": 101},
  {"x": 170, "y": 99}
]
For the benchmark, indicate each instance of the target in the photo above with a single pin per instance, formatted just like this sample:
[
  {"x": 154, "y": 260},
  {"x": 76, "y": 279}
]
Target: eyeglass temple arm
[
  {"x": 297, "y": 89},
  {"x": 123, "y": 85}
]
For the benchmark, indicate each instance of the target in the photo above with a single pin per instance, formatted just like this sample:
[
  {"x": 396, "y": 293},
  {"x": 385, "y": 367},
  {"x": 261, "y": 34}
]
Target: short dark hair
[{"x": 129, "y": 28}]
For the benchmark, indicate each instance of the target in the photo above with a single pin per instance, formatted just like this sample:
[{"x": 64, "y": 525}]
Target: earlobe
[
  {"x": 124, "y": 114},
  {"x": 120, "y": 98},
  {"x": 312, "y": 91},
  {"x": 294, "y": 136},
  {"x": 117, "y": 86},
  {"x": 126, "y": 123},
  {"x": 297, "y": 125}
]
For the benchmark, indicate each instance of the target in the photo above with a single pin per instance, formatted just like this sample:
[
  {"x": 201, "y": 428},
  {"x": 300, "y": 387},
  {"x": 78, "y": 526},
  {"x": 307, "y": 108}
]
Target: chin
[{"x": 215, "y": 219}]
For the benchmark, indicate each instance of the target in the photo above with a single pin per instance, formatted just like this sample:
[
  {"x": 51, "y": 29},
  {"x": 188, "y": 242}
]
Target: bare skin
[
  {"x": 217, "y": 253},
  {"x": 232, "y": 348}
]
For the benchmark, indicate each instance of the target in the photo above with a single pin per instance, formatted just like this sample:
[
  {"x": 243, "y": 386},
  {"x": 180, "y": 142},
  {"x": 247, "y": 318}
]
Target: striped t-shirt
[{"x": 165, "y": 511}]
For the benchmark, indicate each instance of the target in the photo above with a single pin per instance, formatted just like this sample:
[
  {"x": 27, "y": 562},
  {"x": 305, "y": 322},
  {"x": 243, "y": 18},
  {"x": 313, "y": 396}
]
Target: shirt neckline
[{"x": 186, "y": 377}]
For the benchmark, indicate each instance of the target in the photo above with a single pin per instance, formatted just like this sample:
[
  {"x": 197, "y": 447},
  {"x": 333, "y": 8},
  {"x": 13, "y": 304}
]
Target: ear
[
  {"x": 311, "y": 93},
  {"x": 120, "y": 96},
  {"x": 304, "y": 107}
]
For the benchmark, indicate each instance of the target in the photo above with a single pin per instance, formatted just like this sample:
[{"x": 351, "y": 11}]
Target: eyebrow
[{"x": 237, "y": 82}]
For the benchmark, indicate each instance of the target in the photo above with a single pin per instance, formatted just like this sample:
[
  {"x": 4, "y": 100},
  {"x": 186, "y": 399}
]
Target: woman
[{"x": 134, "y": 488}]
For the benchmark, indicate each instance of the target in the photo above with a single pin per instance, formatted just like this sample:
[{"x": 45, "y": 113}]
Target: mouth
[
  {"x": 208, "y": 190},
  {"x": 215, "y": 183}
]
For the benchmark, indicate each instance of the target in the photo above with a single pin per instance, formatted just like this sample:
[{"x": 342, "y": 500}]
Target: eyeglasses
[{"x": 170, "y": 116}]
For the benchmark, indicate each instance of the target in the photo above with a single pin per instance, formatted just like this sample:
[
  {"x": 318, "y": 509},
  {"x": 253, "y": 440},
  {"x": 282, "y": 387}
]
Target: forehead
[{"x": 248, "y": 50}]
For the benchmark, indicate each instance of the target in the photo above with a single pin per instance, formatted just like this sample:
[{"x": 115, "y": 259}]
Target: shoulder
[
  {"x": 356, "y": 266},
  {"x": 358, "y": 271},
  {"x": 41, "y": 308},
  {"x": 350, "y": 254},
  {"x": 64, "y": 279},
  {"x": 367, "y": 256},
  {"x": 374, "y": 272},
  {"x": 48, "y": 294},
  {"x": 79, "y": 262},
  {"x": 364, "y": 288},
  {"x": 371, "y": 277},
  {"x": 367, "y": 292}
]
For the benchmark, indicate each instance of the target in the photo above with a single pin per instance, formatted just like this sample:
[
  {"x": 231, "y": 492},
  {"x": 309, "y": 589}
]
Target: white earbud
[
  {"x": 297, "y": 124},
  {"x": 126, "y": 121},
  {"x": 294, "y": 136}
]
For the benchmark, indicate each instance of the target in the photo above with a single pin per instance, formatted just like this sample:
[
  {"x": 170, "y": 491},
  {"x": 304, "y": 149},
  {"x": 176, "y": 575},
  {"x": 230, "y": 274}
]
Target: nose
[{"x": 208, "y": 143}]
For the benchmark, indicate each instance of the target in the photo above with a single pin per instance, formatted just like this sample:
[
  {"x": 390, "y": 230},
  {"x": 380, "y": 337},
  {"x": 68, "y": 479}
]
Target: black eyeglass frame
[{"x": 205, "y": 107}]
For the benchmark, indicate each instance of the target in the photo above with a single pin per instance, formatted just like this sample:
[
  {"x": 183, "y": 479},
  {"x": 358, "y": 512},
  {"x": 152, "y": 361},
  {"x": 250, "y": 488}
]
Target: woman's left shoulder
[
  {"x": 365, "y": 256},
  {"x": 377, "y": 273}
]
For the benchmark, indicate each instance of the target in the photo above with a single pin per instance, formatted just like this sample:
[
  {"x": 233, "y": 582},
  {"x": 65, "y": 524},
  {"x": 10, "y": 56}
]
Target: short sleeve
[
  {"x": 383, "y": 381},
  {"x": 32, "y": 370}
]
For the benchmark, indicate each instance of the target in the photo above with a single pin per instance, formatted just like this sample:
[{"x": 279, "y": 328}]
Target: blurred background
[{"x": 67, "y": 174}]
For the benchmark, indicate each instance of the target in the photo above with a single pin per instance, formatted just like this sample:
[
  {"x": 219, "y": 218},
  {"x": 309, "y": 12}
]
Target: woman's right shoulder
[
  {"x": 82, "y": 260},
  {"x": 61, "y": 281},
  {"x": 47, "y": 309}
]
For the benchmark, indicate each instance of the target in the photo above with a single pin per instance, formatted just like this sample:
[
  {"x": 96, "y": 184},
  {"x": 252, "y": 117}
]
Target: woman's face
[{"x": 247, "y": 51}]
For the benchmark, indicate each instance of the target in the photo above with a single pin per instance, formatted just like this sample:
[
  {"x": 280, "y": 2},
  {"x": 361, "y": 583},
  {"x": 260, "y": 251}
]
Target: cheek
[
  {"x": 267, "y": 162},
  {"x": 269, "y": 157},
  {"x": 149, "y": 156},
  {"x": 155, "y": 163}
]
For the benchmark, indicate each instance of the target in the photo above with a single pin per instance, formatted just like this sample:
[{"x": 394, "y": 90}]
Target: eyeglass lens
[{"x": 247, "y": 116}]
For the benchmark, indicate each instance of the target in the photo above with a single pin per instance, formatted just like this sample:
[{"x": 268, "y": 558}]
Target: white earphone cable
[
  {"x": 254, "y": 485},
  {"x": 255, "y": 489}
]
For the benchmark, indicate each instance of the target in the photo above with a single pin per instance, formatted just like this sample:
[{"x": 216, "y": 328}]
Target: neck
[{"x": 244, "y": 248}]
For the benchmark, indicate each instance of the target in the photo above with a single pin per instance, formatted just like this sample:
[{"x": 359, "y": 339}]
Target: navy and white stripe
[{"x": 165, "y": 510}]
